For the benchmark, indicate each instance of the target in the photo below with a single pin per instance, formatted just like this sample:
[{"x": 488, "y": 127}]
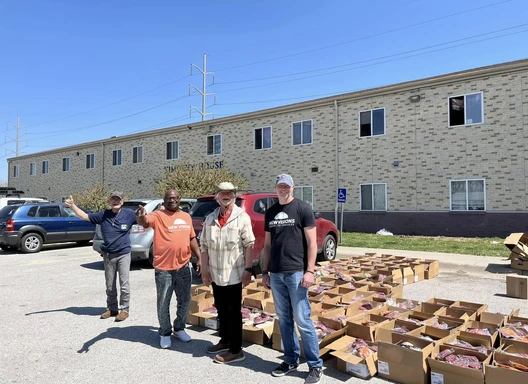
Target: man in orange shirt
[{"x": 174, "y": 238}]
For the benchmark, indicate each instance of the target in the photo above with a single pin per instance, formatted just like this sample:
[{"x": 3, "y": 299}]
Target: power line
[
  {"x": 369, "y": 65},
  {"x": 363, "y": 38},
  {"x": 109, "y": 105},
  {"x": 114, "y": 120}
]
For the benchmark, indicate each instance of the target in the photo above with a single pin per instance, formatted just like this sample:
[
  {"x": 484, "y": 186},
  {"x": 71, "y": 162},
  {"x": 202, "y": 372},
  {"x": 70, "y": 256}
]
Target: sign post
[{"x": 341, "y": 199}]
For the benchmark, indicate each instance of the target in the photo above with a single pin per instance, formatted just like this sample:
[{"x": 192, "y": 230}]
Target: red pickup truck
[{"x": 256, "y": 204}]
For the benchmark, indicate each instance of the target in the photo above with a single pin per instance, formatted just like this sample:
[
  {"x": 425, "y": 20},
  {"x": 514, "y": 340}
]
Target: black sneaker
[
  {"x": 314, "y": 376},
  {"x": 284, "y": 369}
]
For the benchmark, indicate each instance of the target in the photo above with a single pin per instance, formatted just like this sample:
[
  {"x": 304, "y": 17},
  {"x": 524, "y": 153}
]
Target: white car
[{"x": 141, "y": 238}]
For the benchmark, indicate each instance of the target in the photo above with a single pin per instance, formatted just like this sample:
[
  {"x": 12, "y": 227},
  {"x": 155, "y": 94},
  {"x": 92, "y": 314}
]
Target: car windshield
[
  {"x": 202, "y": 208},
  {"x": 133, "y": 205},
  {"x": 8, "y": 210}
]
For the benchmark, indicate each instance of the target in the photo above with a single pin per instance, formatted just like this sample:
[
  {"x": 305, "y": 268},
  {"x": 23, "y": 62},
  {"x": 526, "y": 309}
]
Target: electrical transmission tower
[
  {"x": 203, "y": 91},
  {"x": 16, "y": 139}
]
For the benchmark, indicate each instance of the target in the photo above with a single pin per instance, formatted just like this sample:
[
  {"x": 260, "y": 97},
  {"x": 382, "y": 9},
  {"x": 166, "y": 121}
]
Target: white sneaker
[
  {"x": 165, "y": 342},
  {"x": 182, "y": 336}
]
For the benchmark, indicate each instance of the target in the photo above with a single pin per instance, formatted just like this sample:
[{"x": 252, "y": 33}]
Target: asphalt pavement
[{"x": 50, "y": 331}]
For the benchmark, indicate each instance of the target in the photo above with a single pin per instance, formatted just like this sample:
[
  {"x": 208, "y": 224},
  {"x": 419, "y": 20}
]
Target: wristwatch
[
  {"x": 249, "y": 269},
  {"x": 264, "y": 273}
]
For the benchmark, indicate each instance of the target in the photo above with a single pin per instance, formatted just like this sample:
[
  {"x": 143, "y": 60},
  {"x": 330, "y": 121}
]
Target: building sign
[{"x": 204, "y": 165}]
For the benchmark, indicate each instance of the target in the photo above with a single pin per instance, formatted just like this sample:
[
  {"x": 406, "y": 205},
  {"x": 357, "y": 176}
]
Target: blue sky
[{"x": 81, "y": 71}]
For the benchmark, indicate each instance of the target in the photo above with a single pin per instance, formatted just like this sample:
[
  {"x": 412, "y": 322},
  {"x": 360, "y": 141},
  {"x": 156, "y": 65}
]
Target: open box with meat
[
  {"x": 453, "y": 365},
  {"x": 355, "y": 356}
]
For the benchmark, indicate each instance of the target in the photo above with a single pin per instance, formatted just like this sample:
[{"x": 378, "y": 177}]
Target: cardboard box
[
  {"x": 401, "y": 364},
  {"x": 351, "y": 364},
  {"x": 208, "y": 320},
  {"x": 257, "y": 300},
  {"x": 276, "y": 342},
  {"x": 444, "y": 302},
  {"x": 419, "y": 271},
  {"x": 519, "y": 264},
  {"x": 460, "y": 313},
  {"x": 435, "y": 309},
  {"x": 513, "y": 239},
  {"x": 454, "y": 325},
  {"x": 475, "y": 344},
  {"x": 498, "y": 375},
  {"x": 200, "y": 302},
  {"x": 260, "y": 334},
  {"x": 475, "y": 307},
  {"x": 494, "y": 318},
  {"x": 193, "y": 319},
  {"x": 385, "y": 334},
  {"x": 487, "y": 341},
  {"x": 442, "y": 372},
  {"x": 356, "y": 327},
  {"x": 517, "y": 286},
  {"x": 432, "y": 268},
  {"x": 438, "y": 335}
]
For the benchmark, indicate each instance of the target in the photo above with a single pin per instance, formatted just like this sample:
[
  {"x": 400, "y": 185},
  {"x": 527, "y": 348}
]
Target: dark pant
[{"x": 228, "y": 302}]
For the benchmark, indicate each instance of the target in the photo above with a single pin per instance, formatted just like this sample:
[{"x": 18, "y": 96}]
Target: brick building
[{"x": 437, "y": 156}]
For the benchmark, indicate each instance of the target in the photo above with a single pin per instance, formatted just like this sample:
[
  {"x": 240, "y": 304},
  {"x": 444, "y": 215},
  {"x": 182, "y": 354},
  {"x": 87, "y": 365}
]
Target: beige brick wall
[{"x": 417, "y": 135}]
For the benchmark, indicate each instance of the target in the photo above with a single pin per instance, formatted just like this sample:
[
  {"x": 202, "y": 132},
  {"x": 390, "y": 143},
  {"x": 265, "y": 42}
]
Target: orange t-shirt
[{"x": 173, "y": 232}]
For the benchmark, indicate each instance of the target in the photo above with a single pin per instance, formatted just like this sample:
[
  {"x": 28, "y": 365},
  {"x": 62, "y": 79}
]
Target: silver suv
[{"x": 141, "y": 239}]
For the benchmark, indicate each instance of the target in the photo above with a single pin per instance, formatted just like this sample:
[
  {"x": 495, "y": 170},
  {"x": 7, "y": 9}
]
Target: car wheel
[
  {"x": 31, "y": 243},
  {"x": 151, "y": 254},
  {"x": 8, "y": 248},
  {"x": 329, "y": 252}
]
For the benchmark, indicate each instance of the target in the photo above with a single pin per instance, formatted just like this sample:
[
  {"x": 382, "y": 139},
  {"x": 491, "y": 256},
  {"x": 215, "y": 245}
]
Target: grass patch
[{"x": 479, "y": 246}]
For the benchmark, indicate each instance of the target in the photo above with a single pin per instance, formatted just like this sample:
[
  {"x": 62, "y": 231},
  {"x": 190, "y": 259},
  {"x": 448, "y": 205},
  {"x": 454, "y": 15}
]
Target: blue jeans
[
  {"x": 179, "y": 282},
  {"x": 291, "y": 299}
]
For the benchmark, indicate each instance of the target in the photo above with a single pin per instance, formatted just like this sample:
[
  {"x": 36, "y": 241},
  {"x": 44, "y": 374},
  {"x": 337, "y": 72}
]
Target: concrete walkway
[{"x": 449, "y": 261}]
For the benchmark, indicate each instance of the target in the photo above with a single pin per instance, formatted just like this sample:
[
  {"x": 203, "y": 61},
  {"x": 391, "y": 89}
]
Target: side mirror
[{"x": 317, "y": 215}]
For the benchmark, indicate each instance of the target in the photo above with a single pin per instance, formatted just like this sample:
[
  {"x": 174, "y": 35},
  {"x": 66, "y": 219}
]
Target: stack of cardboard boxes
[
  {"x": 517, "y": 286},
  {"x": 517, "y": 243}
]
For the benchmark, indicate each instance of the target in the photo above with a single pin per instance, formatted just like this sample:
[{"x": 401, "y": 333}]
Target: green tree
[
  {"x": 197, "y": 180},
  {"x": 93, "y": 199}
]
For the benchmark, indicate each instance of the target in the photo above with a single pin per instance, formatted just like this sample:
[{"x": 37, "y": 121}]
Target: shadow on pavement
[
  {"x": 135, "y": 265},
  {"x": 81, "y": 311},
  {"x": 137, "y": 334},
  {"x": 499, "y": 268}
]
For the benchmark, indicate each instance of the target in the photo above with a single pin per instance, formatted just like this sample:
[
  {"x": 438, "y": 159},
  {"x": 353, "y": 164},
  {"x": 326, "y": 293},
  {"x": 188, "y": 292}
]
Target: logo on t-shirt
[
  {"x": 179, "y": 225},
  {"x": 281, "y": 220},
  {"x": 124, "y": 227}
]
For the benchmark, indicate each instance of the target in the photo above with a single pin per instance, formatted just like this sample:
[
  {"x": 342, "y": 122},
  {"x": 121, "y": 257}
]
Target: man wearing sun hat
[
  {"x": 227, "y": 257},
  {"x": 116, "y": 224},
  {"x": 290, "y": 251}
]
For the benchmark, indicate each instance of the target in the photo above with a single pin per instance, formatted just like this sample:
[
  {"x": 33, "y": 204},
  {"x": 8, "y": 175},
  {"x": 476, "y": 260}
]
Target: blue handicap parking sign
[{"x": 341, "y": 195}]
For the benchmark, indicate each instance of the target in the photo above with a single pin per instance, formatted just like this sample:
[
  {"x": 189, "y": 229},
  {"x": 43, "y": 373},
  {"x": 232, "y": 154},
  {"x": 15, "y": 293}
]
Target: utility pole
[
  {"x": 202, "y": 92},
  {"x": 17, "y": 139}
]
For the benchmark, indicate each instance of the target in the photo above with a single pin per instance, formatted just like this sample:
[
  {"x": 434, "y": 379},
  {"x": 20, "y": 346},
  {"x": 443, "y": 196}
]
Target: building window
[
  {"x": 137, "y": 155},
  {"x": 302, "y": 132},
  {"x": 172, "y": 150},
  {"x": 304, "y": 193},
  {"x": 263, "y": 138},
  {"x": 466, "y": 109},
  {"x": 90, "y": 161},
  {"x": 214, "y": 145},
  {"x": 45, "y": 167},
  {"x": 372, "y": 123},
  {"x": 16, "y": 170},
  {"x": 66, "y": 164},
  {"x": 373, "y": 197},
  {"x": 468, "y": 195},
  {"x": 116, "y": 157},
  {"x": 32, "y": 169}
]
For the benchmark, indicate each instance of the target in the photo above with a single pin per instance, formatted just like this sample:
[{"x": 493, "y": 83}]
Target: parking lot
[{"x": 50, "y": 329}]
